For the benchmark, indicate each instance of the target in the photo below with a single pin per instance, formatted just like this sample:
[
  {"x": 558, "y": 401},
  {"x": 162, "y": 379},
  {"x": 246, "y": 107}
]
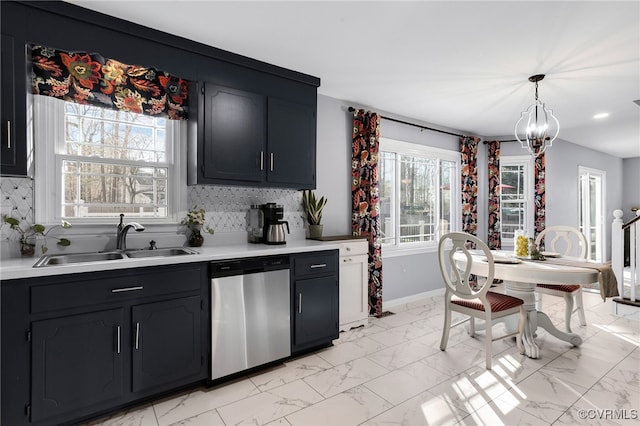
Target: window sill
[{"x": 394, "y": 251}]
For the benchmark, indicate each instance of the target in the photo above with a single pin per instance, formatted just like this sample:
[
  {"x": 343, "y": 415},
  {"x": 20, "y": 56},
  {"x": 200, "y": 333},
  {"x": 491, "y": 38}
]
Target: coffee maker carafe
[{"x": 273, "y": 230}]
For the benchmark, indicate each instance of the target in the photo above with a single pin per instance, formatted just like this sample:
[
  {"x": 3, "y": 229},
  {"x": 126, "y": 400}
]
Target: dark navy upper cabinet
[
  {"x": 292, "y": 144},
  {"x": 255, "y": 133},
  {"x": 235, "y": 135},
  {"x": 13, "y": 154}
]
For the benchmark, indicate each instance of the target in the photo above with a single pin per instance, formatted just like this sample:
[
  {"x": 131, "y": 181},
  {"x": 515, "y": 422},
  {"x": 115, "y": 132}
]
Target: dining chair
[
  {"x": 469, "y": 294},
  {"x": 561, "y": 239}
]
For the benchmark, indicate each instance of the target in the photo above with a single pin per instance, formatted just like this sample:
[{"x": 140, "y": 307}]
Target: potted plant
[
  {"x": 28, "y": 237},
  {"x": 195, "y": 223},
  {"x": 313, "y": 212}
]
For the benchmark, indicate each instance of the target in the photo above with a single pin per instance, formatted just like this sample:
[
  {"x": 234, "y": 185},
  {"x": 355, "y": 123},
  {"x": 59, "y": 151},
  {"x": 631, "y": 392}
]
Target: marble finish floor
[{"x": 392, "y": 372}]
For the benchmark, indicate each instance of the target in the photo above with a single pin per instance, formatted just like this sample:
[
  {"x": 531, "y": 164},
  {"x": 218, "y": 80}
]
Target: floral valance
[{"x": 89, "y": 78}]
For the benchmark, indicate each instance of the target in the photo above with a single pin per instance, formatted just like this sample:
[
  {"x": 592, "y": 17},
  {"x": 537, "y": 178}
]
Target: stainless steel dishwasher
[{"x": 250, "y": 313}]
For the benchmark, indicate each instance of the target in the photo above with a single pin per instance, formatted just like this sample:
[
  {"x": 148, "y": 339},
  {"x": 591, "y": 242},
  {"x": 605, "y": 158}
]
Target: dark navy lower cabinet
[
  {"x": 78, "y": 346},
  {"x": 167, "y": 346},
  {"x": 315, "y": 304},
  {"x": 77, "y": 363}
]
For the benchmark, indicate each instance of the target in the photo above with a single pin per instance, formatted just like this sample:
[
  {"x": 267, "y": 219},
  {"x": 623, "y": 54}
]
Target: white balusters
[
  {"x": 617, "y": 249},
  {"x": 617, "y": 255}
]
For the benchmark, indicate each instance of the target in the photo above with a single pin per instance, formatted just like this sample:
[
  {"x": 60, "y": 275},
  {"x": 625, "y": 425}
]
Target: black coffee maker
[{"x": 273, "y": 231}]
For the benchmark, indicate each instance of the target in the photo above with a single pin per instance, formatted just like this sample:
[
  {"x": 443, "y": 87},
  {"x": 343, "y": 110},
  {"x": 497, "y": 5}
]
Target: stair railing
[{"x": 618, "y": 228}]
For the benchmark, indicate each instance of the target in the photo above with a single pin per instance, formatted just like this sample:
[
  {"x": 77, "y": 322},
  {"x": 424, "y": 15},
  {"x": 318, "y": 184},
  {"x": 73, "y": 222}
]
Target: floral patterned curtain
[
  {"x": 91, "y": 79},
  {"x": 469, "y": 183},
  {"x": 539, "y": 195},
  {"x": 494, "y": 240},
  {"x": 366, "y": 198}
]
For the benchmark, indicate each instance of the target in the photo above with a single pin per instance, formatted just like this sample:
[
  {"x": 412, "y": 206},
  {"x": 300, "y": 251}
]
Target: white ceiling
[{"x": 461, "y": 65}]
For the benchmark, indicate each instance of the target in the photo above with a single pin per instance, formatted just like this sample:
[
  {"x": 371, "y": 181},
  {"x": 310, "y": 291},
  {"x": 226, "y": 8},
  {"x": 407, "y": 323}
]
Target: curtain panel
[
  {"x": 92, "y": 79},
  {"x": 366, "y": 197},
  {"x": 494, "y": 240},
  {"x": 539, "y": 195},
  {"x": 469, "y": 183}
]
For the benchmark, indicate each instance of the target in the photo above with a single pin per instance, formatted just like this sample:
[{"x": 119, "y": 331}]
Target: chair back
[
  {"x": 456, "y": 272},
  {"x": 561, "y": 239}
]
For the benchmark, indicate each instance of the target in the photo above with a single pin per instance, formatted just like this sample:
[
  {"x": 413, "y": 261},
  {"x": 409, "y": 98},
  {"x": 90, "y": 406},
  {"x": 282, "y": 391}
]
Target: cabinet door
[
  {"x": 292, "y": 144},
  {"x": 316, "y": 311},
  {"x": 353, "y": 289},
  {"x": 77, "y": 363},
  {"x": 234, "y": 134},
  {"x": 166, "y": 344},
  {"x": 12, "y": 157}
]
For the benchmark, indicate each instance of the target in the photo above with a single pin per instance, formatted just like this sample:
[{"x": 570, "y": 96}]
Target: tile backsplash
[
  {"x": 17, "y": 201},
  {"x": 226, "y": 206}
]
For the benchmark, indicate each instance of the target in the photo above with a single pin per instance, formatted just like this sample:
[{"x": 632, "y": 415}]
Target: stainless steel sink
[
  {"x": 66, "y": 259},
  {"x": 72, "y": 258},
  {"x": 163, "y": 252}
]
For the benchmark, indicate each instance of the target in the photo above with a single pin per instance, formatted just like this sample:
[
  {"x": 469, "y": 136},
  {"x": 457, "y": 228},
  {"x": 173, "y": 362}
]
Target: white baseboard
[{"x": 394, "y": 303}]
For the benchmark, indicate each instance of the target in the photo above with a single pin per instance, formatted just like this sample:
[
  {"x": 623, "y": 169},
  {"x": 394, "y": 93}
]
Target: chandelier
[{"x": 537, "y": 127}]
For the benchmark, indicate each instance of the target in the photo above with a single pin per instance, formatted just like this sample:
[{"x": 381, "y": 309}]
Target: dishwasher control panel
[{"x": 248, "y": 265}]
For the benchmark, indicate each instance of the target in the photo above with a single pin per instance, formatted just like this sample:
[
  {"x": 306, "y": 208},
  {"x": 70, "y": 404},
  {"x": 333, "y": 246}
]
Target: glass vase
[
  {"x": 27, "y": 248},
  {"x": 195, "y": 238},
  {"x": 520, "y": 244}
]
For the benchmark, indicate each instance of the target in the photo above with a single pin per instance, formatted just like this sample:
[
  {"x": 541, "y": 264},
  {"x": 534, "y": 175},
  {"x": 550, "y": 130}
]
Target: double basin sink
[{"x": 73, "y": 258}]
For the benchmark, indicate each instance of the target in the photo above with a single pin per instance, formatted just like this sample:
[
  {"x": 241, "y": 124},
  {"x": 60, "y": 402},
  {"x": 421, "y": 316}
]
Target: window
[
  {"x": 107, "y": 162},
  {"x": 592, "y": 196},
  {"x": 419, "y": 193},
  {"x": 516, "y": 209}
]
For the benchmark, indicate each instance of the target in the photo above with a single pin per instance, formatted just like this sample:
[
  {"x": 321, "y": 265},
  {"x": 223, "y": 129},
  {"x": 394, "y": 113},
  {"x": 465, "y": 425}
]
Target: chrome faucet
[{"x": 121, "y": 241}]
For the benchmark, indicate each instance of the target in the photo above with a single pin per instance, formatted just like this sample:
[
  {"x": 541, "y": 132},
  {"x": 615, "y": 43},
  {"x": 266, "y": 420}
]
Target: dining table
[{"x": 520, "y": 277}]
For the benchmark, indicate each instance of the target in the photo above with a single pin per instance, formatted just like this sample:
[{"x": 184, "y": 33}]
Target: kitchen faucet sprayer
[{"x": 121, "y": 240}]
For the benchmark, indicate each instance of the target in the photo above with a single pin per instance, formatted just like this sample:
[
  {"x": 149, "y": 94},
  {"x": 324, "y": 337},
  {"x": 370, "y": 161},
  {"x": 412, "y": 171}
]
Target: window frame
[
  {"x": 527, "y": 162},
  {"x": 596, "y": 247},
  {"x": 48, "y": 132},
  {"x": 427, "y": 152}
]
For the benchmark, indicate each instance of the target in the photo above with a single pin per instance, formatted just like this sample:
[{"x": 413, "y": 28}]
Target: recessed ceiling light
[{"x": 601, "y": 115}]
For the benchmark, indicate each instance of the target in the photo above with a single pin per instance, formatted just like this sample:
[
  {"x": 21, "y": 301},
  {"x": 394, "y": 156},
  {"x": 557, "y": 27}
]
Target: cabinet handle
[
  {"x": 347, "y": 260},
  {"x": 118, "y": 339},
  {"x": 120, "y": 290},
  {"x": 261, "y": 160},
  {"x": 271, "y": 162},
  {"x": 137, "y": 335},
  {"x": 318, "y": 265},
  {"x": 300, "y": 302},
  {"x": 9, "y": 134}
]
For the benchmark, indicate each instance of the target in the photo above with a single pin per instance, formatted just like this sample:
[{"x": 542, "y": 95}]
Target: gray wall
[
  {"x": 562, "y": 190},
  {"x": 403, "y": 276},
  {"x": 408, "y": 275}
]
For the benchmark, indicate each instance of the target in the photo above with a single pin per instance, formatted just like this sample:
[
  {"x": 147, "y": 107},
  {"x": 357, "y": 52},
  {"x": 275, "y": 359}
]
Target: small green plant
[
  {"x": 313, "y": 207},
  {"x": 195, "y": 218},
  {"x": 35, "y": 230}
]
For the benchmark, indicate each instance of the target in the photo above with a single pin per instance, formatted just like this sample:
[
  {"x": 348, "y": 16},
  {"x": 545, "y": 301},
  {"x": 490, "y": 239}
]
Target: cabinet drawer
[
  {"x": 353, "y": 248},
  {"x": 317, "y": 263},
  {"x": 78, "y": 291}
]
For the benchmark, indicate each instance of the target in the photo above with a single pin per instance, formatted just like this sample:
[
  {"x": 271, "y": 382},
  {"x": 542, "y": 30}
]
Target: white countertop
[{"x": 23, "y": 267}]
